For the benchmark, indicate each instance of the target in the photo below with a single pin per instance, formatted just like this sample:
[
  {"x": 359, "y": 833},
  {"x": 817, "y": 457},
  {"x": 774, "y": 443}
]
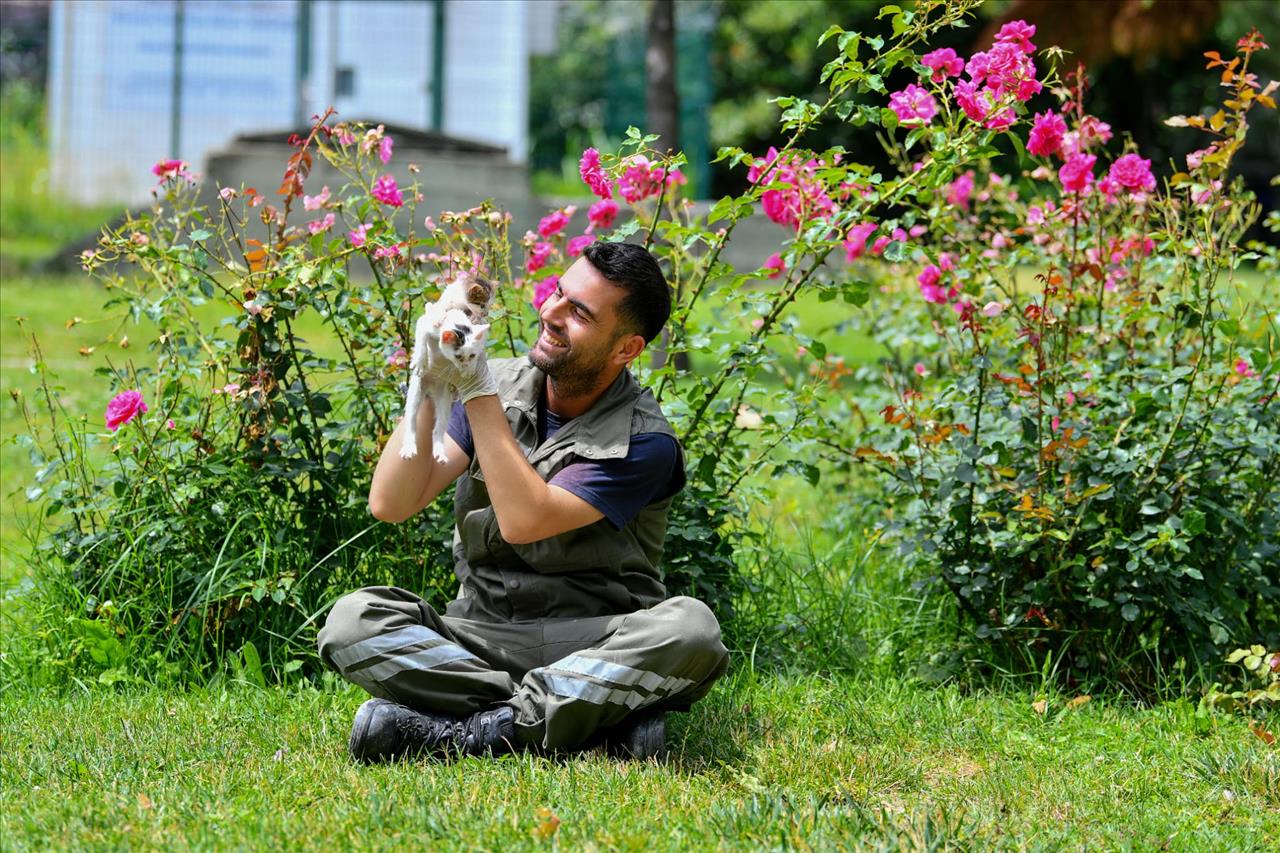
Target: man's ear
[{"x": 628, "y": 349}]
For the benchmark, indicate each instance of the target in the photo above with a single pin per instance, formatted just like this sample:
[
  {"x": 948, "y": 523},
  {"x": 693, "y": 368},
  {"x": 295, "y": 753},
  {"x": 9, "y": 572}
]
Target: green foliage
[
  {"x": 1256, "y": 683},
  {"x": 1092, "y": 471}
]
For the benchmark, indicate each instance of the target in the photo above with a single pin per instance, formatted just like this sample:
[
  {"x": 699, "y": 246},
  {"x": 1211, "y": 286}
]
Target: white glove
[{"x": 473, "y": 379}]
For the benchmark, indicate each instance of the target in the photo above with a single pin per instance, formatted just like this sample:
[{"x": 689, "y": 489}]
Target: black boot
[
  {"x": 642, "y": 737},
  {"x": 383, "y": 730}
]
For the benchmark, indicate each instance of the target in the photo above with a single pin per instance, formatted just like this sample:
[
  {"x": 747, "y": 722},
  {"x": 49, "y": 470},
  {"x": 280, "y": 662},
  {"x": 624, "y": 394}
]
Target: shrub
[{"x": 1089, "y": 462}]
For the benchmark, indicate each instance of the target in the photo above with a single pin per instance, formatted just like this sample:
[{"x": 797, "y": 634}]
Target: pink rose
[
  {"x": 944, "y": 62},
  {"x": 123, "y": 408},
  {"x": 1046, "y": 134},
  {"x": 357, "y": 235},
  {"x": 315, "y": 202},
  {"x": 537, "y": 258},
  {"x": 321, "y": 225},
  {"x": 544, "y": 289},
  {"x": 167, "y": 169},
  {"x": 593, "y": 175},
  {"x": 913, "y": 105},
  {"x": 554, "y": 222},
  {"x": 578, "y": 244},
  {"x": 1077, "y": 173},
  {"x": 961, "y": 190},
  {"x": 855, "y": 244},
  {"x": 602, "y": 213},
  {"x": 386, "y": 191},
  {"x": 384, "y": 150},
  {"x": 775, "y": 263},
  {"x": 1133, "y": 173}
]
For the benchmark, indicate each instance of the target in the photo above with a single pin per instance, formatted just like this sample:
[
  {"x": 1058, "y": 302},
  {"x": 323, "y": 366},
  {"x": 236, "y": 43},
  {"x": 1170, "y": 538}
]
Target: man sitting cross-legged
[{"x": 566, "y": 468}]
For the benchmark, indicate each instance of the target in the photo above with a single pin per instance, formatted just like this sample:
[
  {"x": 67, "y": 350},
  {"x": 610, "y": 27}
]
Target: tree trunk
[{"x": 662, "y": 111}]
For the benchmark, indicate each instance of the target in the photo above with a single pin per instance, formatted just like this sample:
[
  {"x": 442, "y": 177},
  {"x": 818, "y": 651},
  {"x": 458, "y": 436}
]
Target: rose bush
[{"x": 1070, "y": 448}]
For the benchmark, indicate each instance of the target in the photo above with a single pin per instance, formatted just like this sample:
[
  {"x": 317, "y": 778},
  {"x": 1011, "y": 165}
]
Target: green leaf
[
  {"x": 199, "y": 234},
  {"x": 1130, "y": 612}
]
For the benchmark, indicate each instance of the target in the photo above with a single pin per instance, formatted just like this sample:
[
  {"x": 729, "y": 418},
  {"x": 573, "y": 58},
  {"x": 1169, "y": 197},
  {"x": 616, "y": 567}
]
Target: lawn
[{"x": 767, "y": 761}]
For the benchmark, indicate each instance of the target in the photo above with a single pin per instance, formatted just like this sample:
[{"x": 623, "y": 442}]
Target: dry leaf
[
  {"x": 548, "y": 823},
  {"x": 1040, "y": 706},
  {"x": 1080, "y": 700},
  {"x": 1261, "y": 731},
  {"x": 144, "y": 801}
]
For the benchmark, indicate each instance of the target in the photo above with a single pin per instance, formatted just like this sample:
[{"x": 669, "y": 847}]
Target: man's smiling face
[{"x": 579, "y": 329}]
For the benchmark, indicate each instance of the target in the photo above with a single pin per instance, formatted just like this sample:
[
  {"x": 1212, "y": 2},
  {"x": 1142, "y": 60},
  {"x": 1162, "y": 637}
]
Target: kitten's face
[{"x": 461, "y": 341}]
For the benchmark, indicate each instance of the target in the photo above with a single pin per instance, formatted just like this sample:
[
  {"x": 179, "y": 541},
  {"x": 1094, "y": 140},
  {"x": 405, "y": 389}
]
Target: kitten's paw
[
  {"x": 439, "y": 455},
  {"x": 408, "y": 451}
]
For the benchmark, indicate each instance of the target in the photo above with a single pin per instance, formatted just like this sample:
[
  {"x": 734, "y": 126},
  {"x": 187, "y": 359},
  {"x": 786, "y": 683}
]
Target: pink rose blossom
[
  {"x": 1018, "y": 33},
  {"x": 593, "y": 175},
  {"x": 1046, "y": 134},
  {"x": 545, "y": 288},
  {"x": 913, "y": 105},
  {"x": 799, "y": 196},
  {"x": 931, "y": 288},
  {"x": 553, "y": 223},
  {"x": 227, "y": 193},
  {"x": 640, "y": 179},
  {"x": 602, "y": 213},
  {"x": 321, "y": 224},
  {"x": 944, "y": 62},
  {"x": 384, "y": 150},
  {"x": 123, "y": 408},
  {"x": 992, "y": 309},
  {"x": 1077, "y": 173},
  {"x": 916, "y": 231},
  {"x": 537, "y": 258},
  {"x": 920, "y": 369},
  {"x": 167, "y": 169},
  {"x": 577, "y": 244},
  {"x": 676, "y": 179},
  {"x": 775, "y": 263},
  {"x": 169, "y": 424},
  {"x": 1242, "y": 368},
  {"x": 387, "y": 252},
  {"x": 398, "y": 356},
  {"x": 1205, "y": 195},
  {"x": 855, "y": 243},
  {"x": 357, "y": 235},
  {"x": 1133, "y": 173},
  {"x": 386, "y": 191},
  {"x": 961, "y": 190},
  {"x": 315, "y": 202}
]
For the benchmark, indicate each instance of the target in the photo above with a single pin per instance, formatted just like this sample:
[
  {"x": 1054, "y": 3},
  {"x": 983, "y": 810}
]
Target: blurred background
[{"x": 501, "y": 96}]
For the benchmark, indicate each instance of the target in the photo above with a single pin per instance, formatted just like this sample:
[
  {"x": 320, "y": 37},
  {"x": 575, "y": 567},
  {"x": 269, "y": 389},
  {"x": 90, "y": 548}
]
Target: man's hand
[{"x": 472, "y": 380}]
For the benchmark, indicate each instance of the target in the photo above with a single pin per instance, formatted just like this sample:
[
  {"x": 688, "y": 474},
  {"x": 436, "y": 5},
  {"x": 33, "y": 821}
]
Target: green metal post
[
  {"x": 303, "y": 64},
  {"x": 175, "y": 104},
  {"x": 437, "y": 66}
]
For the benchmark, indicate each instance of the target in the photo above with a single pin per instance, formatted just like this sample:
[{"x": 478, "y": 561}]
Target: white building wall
[
  {"x": 112, "y": 65},
  {"x": 487, "y": 73}
]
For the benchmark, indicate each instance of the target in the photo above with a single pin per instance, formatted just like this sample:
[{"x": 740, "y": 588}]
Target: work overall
[{"x": 572, "y": 631}]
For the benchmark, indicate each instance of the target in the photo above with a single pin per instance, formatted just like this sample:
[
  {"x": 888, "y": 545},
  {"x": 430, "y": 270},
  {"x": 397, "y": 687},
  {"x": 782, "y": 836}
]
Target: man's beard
[{"x": 572, "y": 374}]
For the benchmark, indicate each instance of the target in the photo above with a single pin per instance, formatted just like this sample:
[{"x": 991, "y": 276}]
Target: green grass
[{"x": 764, "y": 762}]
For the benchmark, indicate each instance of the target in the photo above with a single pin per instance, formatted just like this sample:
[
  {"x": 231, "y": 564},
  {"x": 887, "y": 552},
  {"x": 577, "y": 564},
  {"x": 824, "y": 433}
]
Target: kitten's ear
[
  {"x": 480, "y": 331},
  {"x": 449, "y": 336}
]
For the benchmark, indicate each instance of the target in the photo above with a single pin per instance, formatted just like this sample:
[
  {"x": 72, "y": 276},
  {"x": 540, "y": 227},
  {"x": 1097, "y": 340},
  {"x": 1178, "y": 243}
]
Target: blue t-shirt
[{"x": 618, "y": 488}]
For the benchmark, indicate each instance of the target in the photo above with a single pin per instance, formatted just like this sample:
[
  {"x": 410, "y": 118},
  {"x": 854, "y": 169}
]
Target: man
[{"x": 566, "y": 467}]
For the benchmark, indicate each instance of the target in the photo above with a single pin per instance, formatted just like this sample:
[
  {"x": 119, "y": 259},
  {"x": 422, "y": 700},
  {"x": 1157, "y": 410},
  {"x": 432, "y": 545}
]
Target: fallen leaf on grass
[
  {"x": 1040, "y": 706},
  {"x": 1261, "y": 731},
  {"x": 144, "y": 801},
  {"x": 548, "y": 823},
  {"x": 1080, "y": 700}
]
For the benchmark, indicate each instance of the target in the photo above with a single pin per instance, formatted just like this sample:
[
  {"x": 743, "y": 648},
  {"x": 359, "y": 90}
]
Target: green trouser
[{"x": 566, "y": 678}]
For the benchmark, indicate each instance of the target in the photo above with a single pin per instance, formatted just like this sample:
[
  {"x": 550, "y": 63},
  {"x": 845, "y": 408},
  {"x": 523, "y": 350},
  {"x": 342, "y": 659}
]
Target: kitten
[{"x": 448, "y": 329}]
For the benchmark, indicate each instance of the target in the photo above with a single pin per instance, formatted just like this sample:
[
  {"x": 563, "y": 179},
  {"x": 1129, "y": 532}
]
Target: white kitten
[{"x": 448, "y": 330}]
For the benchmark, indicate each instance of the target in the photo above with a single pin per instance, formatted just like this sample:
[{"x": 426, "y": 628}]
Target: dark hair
[{"x": 647, "y": 305}]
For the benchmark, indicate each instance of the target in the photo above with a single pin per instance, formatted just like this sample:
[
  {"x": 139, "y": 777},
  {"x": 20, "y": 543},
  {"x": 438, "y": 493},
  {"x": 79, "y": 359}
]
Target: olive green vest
[{"x": 595, "y": 570}]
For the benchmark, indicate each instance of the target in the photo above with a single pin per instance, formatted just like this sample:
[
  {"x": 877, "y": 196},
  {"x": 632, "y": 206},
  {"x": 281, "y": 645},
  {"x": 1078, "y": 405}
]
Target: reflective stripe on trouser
[{"x": 565, "y": 677}]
